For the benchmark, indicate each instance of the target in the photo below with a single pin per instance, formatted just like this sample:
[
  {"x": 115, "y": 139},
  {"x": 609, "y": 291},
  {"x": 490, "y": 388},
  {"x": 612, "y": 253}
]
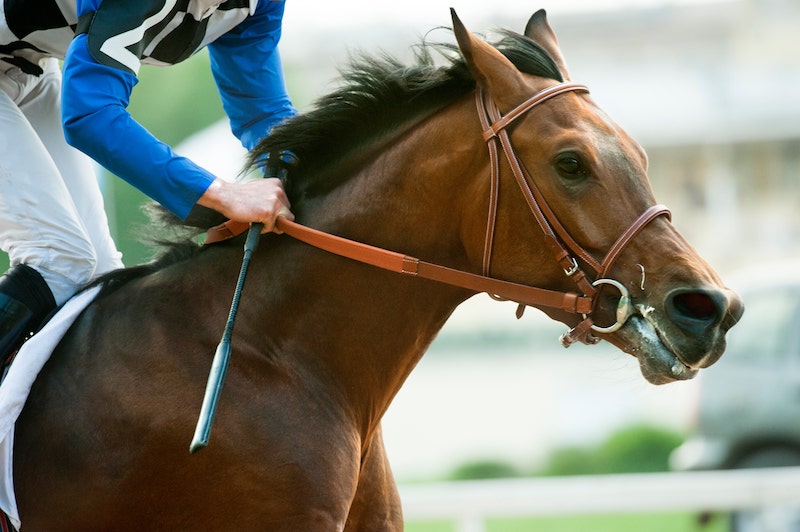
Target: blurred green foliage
[
  {"x": 633, "y": 449},
  {"x": 484, "y": 469},
  {"x": 655, "y": 522}
]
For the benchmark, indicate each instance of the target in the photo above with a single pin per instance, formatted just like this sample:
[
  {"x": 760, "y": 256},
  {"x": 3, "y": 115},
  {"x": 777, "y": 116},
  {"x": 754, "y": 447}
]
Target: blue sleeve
[
  {"x": 95, "y": 98},
  {"x": 248, "y": 72}
]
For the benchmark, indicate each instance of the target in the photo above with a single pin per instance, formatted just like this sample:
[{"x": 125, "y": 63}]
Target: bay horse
[{"x": 396, "y": 158}]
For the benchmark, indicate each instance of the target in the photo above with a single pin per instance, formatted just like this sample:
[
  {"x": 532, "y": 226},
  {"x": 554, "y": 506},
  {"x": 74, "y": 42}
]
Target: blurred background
[{"x": 710, "y": 89}]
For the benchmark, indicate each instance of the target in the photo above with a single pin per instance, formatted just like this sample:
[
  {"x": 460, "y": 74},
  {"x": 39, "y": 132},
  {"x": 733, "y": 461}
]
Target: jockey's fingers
[
  {"x": 271, "y": 225},
  {"x": 278, "y": 206}
]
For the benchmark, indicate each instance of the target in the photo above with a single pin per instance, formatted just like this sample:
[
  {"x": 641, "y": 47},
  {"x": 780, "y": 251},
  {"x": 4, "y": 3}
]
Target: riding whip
[{"x": 219, "y": 366}]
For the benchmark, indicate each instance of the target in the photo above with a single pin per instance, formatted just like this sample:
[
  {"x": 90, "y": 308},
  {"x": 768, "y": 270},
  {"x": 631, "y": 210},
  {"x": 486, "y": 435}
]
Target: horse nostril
[
  {"x": 696, "y": 305},
  {"x": 696, "y": 310},
  {"x": 703, "y": 317}
]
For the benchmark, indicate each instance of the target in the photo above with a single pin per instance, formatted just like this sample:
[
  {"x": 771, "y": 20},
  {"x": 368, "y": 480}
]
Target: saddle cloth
[{"x": 17, "y": 383}]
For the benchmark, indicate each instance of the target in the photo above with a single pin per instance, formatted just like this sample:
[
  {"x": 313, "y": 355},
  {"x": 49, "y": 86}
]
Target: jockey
[{"x": 52, "y": 221}]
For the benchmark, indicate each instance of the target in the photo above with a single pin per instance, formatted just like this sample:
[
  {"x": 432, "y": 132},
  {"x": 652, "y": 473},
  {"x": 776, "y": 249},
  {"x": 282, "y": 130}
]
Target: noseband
[{"x": 564, "y": 248}]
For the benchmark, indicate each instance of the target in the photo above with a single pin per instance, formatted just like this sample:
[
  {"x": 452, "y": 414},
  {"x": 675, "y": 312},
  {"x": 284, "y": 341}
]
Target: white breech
[{"x": 51, "y": 209}]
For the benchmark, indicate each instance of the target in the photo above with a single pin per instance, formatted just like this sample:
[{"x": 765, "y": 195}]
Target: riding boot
[{"x": 25, "y": 302}]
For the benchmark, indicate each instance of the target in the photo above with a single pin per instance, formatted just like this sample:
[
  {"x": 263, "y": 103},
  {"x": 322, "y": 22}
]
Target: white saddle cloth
[{"x": 17, "y": 384}]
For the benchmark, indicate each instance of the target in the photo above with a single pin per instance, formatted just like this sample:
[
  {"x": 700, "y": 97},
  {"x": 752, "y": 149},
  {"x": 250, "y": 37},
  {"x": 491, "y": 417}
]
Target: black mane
[{"x": 377, "y": 95}]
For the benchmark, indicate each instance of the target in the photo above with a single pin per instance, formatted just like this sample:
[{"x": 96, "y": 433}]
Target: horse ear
[
  {"x": 540, "y": 32},
  {"x": 490, "y": 68}
]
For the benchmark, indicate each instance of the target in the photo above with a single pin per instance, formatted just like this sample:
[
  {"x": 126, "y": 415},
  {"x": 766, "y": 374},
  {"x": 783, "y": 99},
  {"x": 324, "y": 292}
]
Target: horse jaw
[{"x": 641, "y": 337}]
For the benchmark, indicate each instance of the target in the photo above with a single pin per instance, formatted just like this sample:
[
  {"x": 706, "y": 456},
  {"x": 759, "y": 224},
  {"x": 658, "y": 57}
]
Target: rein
[
  {"x": 558, "y": 239},
  {"x": 399, "y": 263}
]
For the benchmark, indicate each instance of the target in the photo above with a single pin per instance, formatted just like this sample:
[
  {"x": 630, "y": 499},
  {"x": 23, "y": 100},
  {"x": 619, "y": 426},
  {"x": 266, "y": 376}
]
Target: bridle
[{"x": 558, "y": 240}]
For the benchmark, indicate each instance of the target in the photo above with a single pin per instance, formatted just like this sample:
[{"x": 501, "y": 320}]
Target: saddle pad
[{"x": 17, "y": 384}]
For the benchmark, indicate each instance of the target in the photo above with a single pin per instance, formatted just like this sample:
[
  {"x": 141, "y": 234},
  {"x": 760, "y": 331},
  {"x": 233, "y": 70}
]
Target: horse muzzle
[
  {"x": 700, "y": 318},
  {"x": 685, "y": 334}
]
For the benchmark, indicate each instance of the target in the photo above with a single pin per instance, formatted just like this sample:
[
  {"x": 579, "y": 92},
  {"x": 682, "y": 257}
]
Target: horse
[{"x": 486, "y": 162}]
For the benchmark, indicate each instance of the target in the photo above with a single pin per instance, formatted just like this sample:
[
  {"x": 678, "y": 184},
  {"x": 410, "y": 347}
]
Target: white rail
[{"x": 470, "y": 503}]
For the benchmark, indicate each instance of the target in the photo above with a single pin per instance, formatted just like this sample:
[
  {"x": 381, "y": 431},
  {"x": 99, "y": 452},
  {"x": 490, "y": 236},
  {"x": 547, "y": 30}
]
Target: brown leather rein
[{"x": 558, "y": 239}]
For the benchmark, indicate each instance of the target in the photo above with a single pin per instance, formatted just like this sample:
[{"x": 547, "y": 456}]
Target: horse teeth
[{"x": 644, "y": 310}]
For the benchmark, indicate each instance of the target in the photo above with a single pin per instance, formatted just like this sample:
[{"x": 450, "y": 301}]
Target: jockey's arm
[{"x": 94, "y": 108}]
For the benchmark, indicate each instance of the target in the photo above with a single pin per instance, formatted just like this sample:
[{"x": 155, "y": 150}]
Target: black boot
[{"x": 25, "y": 302}]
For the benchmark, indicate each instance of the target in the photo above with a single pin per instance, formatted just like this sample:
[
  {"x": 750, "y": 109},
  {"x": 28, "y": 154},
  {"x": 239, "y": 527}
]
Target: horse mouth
[{"x": 658, "y": 361}]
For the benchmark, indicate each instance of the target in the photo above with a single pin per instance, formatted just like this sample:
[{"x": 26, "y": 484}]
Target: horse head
[{"x": 590, "y": 203}]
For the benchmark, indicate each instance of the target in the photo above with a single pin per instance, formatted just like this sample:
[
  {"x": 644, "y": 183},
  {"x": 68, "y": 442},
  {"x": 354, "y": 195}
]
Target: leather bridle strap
[
  {"x": 399, "y": 263},
  {"x": 494, "y": 125},
  {"x": 495, "y": 132},
  {"x": 557, "y": 238},
  {"x": 624, "y": 239}
]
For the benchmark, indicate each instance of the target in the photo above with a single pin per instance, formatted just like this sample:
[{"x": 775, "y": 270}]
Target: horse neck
[
  {"x": 367, "y": 327},
  {"x": 354, "y": 332}
]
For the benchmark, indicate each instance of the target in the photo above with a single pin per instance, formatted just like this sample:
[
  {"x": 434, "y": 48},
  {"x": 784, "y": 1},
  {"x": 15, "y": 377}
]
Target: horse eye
[{"x": 569, "y": 166}]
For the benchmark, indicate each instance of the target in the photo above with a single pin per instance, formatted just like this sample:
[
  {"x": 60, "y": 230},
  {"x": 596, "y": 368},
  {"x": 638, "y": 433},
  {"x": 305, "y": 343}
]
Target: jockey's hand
[{"x": 254, "y": 201}]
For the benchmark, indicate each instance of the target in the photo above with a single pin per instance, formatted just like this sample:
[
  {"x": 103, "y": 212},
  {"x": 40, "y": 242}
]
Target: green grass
[{"x": 670, "y": 522}]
